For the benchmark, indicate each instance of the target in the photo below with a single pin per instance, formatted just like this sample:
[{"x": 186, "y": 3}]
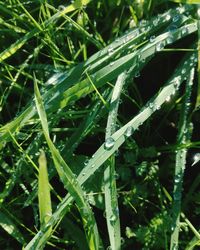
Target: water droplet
[
  {"x": 184, "y": 31},
  {"x": 110, "y": 51},
  {"x": 167, "y": 17},
  {"x": 113, "y": 219},
  {"x": 180, "y": 10},
  {"x": 160, "y": 46},
  {"x": 176, "y": 18},
  {"x": 61, "y": 7},
  {"x": 183, "y": 71},
  {"x": 109, "y": 143},
  {"x": 177, "y": 180},
  {"x": 168, "y": 98},
  {"x": 176, "y": 81},
  {"x": 152, "y": 39},
  {"x": 86, "y": 162},
  {"x": 122, "y": 241},
  {"x": 172, "y": 27},
  {"x": 196, "y": 158},
  {"x": 158, "y": 107},
  {"x": 151, "y": 105},
  {"x": 169, "y": 40},
  {"x": 143, "y": 22},
  {"x": 116, "y": 175},
  {"x": 177, "y": 196},
  {"x": 129, "y": 131},
  {"x": 155, "y": 22},
  {"x": 137, "y": 74},
  {"x": 112, "y": 63}
]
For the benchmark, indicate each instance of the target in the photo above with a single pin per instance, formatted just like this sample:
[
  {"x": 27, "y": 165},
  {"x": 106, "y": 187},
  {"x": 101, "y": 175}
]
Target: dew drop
[
  {"x": 155, "y": 22},
  {"x": 167, "y": 17},
  {"x": 159, "y": 46},
  {"x": 183, "y": 71},
  {"x": 184, "y": 31},
  {"x": 177, "y": 196},
  {"x": 61, "y": 7},
  {"x": 151, "y": 105},
  {"x": 152, "y": 39},
  {"x": 196, "y": 159},
  {"x": 169, "y": 40},
  {"x": 137, "y": 74},
  {"x": 110, "y": 51},
  {"x": 129, "y": 131},
  {"x": 113, "y": 219},
  {"x": 176, "y": 180},
  {"x": 172, "y": 27},
  {"x": 176, "y": 18},
  {"x": 86, "y": 162},
  {"x": 168, "y": 98},
  {"x": 109, "y": 143}
]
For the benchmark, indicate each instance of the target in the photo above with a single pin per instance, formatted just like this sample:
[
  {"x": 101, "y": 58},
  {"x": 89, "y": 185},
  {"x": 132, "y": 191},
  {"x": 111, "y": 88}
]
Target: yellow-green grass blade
[{"x": 44, "y": 197}]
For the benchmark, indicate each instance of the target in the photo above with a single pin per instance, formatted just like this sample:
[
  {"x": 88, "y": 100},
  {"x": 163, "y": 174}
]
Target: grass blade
[
  {"x": 69, "y": 180},
  {"x": 9, "y": 226},
  {"x": 180, "y": 163},
  {"x": 44, "y": 197},
  {"x": 111, "y": 201}
]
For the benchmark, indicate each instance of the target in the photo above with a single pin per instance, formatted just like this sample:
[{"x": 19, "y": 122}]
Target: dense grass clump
[{"x": 99, "y": 124}]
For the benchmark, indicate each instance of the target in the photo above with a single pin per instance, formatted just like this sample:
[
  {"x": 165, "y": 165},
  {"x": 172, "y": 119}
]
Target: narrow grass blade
[
  {"x": 44, "y": 196},
  {"x": 9, "y": 226},
  {"x": 180, "y": 162},
  {"x": 111, "y": 201},
  {"x": 198, "y": 68},
  {"x": 69, "y": 180}
]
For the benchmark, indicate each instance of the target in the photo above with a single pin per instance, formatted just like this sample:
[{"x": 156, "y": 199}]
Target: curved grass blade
[
  {"x": 102, "y": 154},
  {"x": 180, "y": 163},
  {"x": 69, "y": 180}
]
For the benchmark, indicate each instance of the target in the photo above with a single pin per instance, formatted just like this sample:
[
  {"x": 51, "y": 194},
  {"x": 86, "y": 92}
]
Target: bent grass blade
[{"x": 69, "y": 180}]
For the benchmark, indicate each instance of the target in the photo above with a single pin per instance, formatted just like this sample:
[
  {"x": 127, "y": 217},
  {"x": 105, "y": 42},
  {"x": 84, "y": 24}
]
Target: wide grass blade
[{"x": 44, "y": 197}]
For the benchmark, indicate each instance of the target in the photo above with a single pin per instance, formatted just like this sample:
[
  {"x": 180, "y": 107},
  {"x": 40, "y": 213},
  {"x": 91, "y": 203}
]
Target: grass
[{"x": 93, "y": 95}]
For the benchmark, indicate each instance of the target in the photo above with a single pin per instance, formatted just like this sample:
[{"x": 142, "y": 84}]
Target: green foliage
[{"x": 109, "y": 91}]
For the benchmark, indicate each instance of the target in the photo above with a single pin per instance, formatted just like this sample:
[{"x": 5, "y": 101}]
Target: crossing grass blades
[{"x": 84, "y": 160}]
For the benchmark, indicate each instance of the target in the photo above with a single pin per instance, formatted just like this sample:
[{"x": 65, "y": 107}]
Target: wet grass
[{"x": 99, "y": 123}]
